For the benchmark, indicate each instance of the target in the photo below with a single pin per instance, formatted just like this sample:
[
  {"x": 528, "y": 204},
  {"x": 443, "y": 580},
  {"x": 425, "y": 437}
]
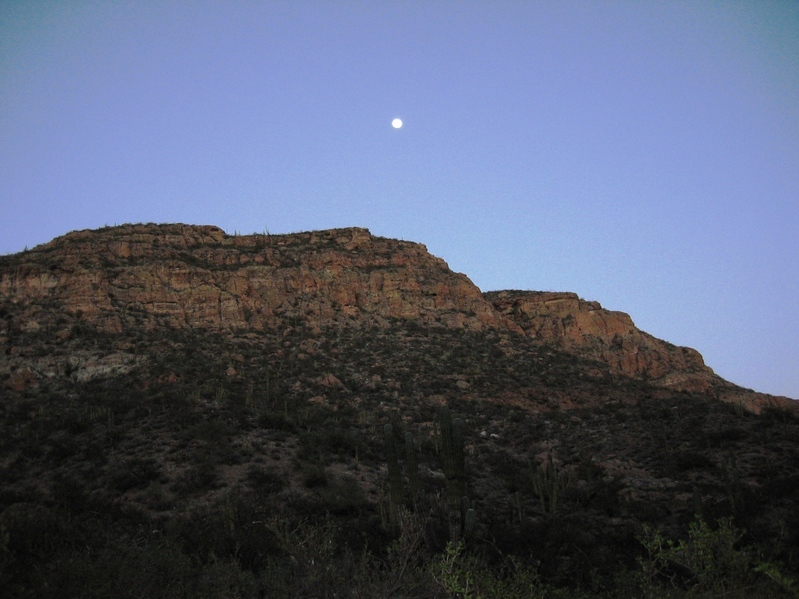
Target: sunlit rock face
[
  {"x": 584, "y": 327},
  {"x": 197, "y": 276},
  {"x": 119, "y": 280}
]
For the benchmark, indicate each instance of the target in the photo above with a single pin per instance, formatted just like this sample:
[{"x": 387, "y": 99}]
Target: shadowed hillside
[{"x": 333, "y": 414}]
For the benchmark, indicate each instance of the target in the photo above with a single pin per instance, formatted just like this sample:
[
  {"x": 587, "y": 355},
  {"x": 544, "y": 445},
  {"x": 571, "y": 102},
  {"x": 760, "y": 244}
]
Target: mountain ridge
[
  {"x": 233, "y": 405},
  {"x": 177, "y": 275}
]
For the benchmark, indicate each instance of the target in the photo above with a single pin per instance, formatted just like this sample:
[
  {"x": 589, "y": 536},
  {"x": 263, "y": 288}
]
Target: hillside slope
[
  {"x": 173, "y": 395},
  {"x": 179, "y": 276}
]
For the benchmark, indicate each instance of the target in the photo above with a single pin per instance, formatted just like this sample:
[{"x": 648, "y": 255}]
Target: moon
[{"x": 396, "y": 123}]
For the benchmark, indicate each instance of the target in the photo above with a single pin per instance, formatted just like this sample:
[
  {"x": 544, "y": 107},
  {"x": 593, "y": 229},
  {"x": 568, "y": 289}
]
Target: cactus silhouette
[
  {"x": 549, "y": 483},
  {"x": 412, "y": 468},
  {"x": 460, "y": 516},
  {"x": 456, "y": 509},
  {"x": 395, "y": 487}
]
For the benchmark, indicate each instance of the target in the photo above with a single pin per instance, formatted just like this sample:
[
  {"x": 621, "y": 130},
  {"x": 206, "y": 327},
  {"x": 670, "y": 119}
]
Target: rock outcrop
[
  {"x": 197, "y": 276},
  {"x": 147, "y": 277},
  {"x": 586, "y": 328}
]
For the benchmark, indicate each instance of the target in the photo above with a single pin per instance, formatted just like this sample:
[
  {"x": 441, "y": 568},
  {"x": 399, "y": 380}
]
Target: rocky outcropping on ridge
[
  {"x": 197, "y": 276},
  {"x": 149, "y": 276},
  {"x": 585, "y": 328}
]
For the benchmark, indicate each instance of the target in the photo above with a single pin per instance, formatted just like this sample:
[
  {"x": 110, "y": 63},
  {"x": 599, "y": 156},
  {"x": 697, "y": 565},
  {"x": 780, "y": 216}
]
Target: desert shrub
[
  {"x": 709, "y": 562},
  {"x": 726, "y": 436},
  {"x": 203, "y": 475},
  {"x": 690, "y": 459},
  {"x": 461, "y": 574},
  {"x": 135, "y": 565},
  {"x": 232, "y": 528},
  {"x": 133, "y": 473},
  {"x": 314, "y": 476},
  {"x": 31, "y": 534},
  {"x": 276, "y": 421},
  {"x": 339, "y": 441},
  {"x": 265, "y": 480},
  {"x": 328, "y": 441},
  {"x": 62, "y": 446},
  {"x": 123, "y": 567},
  {"x": 210, "y": 431},
  {"x": 310, "y": 561},
  {"x": 342, "y": 496}
]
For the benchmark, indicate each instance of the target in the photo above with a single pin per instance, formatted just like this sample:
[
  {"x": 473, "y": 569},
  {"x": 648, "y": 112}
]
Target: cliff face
[
  {"x": 147, "y": 277},
  {"x": 585, "y": 328},
  {"x": 197, "y": 276}
]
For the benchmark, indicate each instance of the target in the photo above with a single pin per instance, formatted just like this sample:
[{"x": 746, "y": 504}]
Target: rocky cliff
[
  {"x": 585, "y": 328},
  {"x": 205, "y": 395},
  {"x": 144, "y": 277},
  {"x": 197, "y": 276}
]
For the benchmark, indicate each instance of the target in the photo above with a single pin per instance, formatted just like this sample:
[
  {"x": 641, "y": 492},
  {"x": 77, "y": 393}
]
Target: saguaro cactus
[
  {"x": 454, "y": 462},
  {"x": 396, "y": 490},
  {"x": 469, "y": 517},
  {"x": 412, "y": 468},
  {"x": 732, "y": 483},
  {"x": 459, "y": 461},
  {"x": 460, "y": 515},
  {"x": 548, "y": 483},
  {"x": 456, "y": 508}
]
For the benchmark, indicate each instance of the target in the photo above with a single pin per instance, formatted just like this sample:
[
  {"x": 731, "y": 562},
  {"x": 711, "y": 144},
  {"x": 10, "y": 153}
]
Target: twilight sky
[{"x": 641, "y": 154}]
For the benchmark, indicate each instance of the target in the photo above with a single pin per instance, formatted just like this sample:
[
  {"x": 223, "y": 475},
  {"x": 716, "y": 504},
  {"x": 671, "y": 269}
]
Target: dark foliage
[{"x": 177, "y": 478}]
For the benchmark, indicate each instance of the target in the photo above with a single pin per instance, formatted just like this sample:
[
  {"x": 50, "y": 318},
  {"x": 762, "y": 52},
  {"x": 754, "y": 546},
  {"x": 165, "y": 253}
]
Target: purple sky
[{"x": 641, "y": 154}]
